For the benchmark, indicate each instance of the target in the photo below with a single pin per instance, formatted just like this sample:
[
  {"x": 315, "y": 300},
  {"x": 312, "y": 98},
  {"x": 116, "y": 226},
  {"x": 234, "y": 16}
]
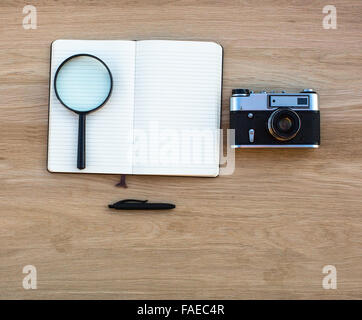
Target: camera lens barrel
[{"x": 284, "y": 124}]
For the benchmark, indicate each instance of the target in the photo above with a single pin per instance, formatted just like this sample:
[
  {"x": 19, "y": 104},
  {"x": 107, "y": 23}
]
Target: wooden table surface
[{"x": 264, "y": 232}]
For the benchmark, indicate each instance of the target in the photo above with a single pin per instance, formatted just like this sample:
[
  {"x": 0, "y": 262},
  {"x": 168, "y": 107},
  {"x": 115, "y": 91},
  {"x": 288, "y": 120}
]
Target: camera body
[{"x": 280, "y": 120}]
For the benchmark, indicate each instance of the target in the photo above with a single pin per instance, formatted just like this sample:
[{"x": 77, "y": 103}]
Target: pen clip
[{"x": 132, "y": 200}]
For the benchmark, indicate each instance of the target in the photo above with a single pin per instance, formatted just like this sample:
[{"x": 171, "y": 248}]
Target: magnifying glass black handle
[{"x": 81, "y": 142}]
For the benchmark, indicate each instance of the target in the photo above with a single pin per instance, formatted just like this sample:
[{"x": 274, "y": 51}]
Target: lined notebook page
[
  {"x": 109, "y": 130},
  {"x": 177, "y": 108}
]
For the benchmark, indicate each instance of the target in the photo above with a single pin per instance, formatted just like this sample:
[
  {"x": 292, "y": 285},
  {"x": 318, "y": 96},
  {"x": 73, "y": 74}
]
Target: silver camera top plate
[{"x": 269, "y": 101}]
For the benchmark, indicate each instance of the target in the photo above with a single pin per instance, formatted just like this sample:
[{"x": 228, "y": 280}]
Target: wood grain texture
[{"x": 264, "y": 232}]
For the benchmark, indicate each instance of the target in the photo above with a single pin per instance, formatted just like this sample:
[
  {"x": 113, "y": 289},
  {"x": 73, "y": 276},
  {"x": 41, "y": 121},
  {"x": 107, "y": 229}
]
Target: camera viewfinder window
[{"x": 302, "y": 101}]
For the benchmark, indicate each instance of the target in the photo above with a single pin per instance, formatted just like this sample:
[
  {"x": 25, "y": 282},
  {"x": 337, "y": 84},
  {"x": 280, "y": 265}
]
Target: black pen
[{"x": 132, "y": 204}]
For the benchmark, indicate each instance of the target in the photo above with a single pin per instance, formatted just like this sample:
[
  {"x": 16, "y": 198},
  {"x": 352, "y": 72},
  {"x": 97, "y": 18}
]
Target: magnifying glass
[{"x": 83, "y": 83}]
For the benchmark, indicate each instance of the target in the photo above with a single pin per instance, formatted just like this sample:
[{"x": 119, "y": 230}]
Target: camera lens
[{"x": 284, "y": 124}]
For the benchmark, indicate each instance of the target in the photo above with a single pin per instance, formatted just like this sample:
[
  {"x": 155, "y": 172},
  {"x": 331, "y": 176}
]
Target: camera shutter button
[
  {"x": 308, "y": 91},
  {"x": 251, "y": 135}
]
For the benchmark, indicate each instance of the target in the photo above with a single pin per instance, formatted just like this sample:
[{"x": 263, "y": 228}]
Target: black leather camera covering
[{"x": 309, "y": 132}]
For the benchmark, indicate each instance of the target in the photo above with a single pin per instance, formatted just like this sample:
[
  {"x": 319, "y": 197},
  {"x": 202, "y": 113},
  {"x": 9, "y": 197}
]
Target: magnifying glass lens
[{"x": 83, "y": 83}]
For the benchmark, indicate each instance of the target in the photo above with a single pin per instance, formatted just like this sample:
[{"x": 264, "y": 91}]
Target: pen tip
[{"x": 110, "y": 206}]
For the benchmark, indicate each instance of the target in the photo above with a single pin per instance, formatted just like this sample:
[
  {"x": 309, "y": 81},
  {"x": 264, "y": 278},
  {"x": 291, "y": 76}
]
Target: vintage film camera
[{"x": 270, "y": 119}]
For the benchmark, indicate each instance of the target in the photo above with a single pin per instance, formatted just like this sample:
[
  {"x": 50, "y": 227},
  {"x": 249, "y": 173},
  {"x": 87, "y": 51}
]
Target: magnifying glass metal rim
[{"x": 76, "y": 56}]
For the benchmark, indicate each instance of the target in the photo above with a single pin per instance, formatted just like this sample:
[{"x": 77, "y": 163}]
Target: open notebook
[{"x": 163, "y": 115}]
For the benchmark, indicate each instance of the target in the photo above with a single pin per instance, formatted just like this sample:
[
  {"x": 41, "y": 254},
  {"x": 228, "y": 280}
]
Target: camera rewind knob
[{"x": 245, "y": 92}]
